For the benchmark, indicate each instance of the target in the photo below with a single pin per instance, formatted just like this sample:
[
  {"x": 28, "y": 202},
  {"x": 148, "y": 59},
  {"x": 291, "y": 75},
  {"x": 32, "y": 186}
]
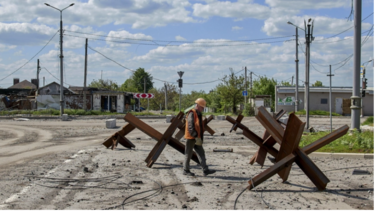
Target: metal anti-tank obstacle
[
  {"x": 289, "y": 152},
  {"x": 162, "y": 139}
]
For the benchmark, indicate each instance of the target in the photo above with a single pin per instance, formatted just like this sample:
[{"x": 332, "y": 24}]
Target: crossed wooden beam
[
  {"x": 289, "y": 151},
  {"x": 162, "y": 139}
]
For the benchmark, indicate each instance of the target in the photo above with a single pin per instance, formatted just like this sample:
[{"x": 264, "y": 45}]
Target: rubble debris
[
  {"x": 223, "y": 150},
  {"x": 196, "y": 184},
  {"x": 20, "y": 119},
  {"x": 193, "y": 199},
  {"x": 360, "y": 172}
]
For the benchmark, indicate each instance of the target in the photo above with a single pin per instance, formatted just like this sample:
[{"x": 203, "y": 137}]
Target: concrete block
[
  {"x": 220, "y": 117},
  {"x": 110, "y": 123},
  {"x": 64, "y": 117},
  {"x": 284, "y": 119},
  {"x": 168, "y": 118}
]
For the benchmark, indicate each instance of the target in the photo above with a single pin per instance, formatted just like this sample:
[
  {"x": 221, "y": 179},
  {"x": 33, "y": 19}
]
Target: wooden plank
[
  {"x": 311, "y": 170},
  {"x": 290, "y": 142},
  {"x": 326, "y": 140},
  {"x": 268, "y": 173}
]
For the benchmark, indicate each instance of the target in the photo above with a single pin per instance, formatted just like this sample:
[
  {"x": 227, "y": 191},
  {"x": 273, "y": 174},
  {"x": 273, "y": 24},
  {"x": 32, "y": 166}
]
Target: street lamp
[
  {"x": 61, "y": 58},
  {"x": 296, "y": 95}
]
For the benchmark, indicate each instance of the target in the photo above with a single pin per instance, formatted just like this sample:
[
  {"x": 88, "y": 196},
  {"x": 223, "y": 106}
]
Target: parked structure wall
[{"x": 319, "y": 99}]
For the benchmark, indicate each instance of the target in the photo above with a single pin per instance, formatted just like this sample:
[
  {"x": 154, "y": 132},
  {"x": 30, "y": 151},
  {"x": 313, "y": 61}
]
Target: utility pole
[
  {"x": 37, "y": 75},
  {"x": 101, "y": 76},
  {"x": 84, "y": 81},
  {"x": 309, "y": 39},
  {"x": 44, "y": 81},
  {"x": 356, "y": 102},
  {"x": 245, "y": 86},
  {"x": 251, "y": 84},
  {"x": 330, "y": 95},
  {"x": 296, "y": 103},
  {"x": 61, "y": 58},
  {"x": 166, "y": 99},
  {"x": 292, "y": 80}
]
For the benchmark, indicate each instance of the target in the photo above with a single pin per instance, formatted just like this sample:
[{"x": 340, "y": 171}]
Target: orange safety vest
[{"x": 196, "y": 125}]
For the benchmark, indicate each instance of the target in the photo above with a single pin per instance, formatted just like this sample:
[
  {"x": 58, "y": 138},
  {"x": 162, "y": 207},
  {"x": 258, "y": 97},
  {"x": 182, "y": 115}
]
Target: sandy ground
[{"x": 53, "y": 164}]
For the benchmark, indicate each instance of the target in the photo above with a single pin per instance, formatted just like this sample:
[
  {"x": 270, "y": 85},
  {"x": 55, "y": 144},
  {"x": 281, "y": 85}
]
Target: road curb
[{"x": 342, "y": 155}]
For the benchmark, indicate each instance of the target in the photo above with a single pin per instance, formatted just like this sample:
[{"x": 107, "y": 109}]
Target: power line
[
  {"x": 55, "y": 76},
  {"x": 176, "y": 41},
  {"x": 124, "y": 42},
  {"x": 31, "y": 57},
  {"x": 345, "y": 29}
]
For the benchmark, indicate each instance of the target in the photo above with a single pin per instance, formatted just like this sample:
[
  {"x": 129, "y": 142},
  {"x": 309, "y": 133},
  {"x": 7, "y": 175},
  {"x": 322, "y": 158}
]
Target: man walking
[{"x": 194, "y": 138}]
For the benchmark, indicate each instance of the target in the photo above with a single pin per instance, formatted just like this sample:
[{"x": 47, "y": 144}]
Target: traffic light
[
  {"x": 364, "y": 85},
  {"x": 363, "y": 93},
  {"x": 179, "y": 83}
]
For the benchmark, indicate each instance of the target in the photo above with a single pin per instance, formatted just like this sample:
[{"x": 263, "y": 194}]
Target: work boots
[
  {"x": 188, "y": 173},
  {"x": 207, "y": 172}
]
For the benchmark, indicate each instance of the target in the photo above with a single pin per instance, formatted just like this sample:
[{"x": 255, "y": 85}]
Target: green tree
[
  {"x": 318, "y": 84},
  {"x": 230, "y": 90},
  {"x": 188, "y": 100},
  {"x": 128, "y": 86},
  {"x": 265, "y": 86},
  {"x": 285, "y": 83},
  {"x": 138, "y": 80},
  {"x": 172, "y": 96},
  {"x": 104, "y": 85}
]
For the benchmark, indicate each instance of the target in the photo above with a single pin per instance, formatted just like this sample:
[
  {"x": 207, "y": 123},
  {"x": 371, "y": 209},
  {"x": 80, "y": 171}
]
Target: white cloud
[
  {"x": 240, "y": 9},
  {"x": 277, "y": 26},
  {"x": 124, "y": 36},
  {"x": 6, "y": 47},
  {"x": 179, "y": 38},
  {"x": 25, "y": 33},
  {"x": 309, "y": 4},
  {"x": 236, "y": 28}
]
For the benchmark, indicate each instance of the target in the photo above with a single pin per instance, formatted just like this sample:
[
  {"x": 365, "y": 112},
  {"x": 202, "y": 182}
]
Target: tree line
[{"x": 225, "y": 97}]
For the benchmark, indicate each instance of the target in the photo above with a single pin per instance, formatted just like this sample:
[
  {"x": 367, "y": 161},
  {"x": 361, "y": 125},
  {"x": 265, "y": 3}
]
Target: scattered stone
[
  {"x": 193, "y": 199},
  {"x": 128, "y": 160},
  {"x": 196, "y": 184},
  {"x": 222, "y": 134},
  {"x": 85, "y": 169},
  {"x": 184, "y": 206},
  {"x": 172, "y": 192},
  {"x": 137, "y": 182},
  {"x": 113, "y": 164}
]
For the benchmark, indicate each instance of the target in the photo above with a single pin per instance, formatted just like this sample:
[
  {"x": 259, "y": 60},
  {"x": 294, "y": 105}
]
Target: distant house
[
  {"x": 49, "y": 97},
  {"x": 22, "y": 85},
  {"x": 319, "y": 99}
]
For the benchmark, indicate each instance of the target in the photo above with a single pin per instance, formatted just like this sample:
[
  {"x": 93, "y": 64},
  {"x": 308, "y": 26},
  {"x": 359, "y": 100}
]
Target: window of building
[{"x": 323, "y": 101}]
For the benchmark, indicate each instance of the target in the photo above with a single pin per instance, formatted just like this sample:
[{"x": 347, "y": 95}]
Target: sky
[{"x": 202, "y": 38}]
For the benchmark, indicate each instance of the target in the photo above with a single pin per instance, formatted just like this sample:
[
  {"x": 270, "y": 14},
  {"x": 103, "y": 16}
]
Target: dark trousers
[{"x": 190, "y": 145}]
